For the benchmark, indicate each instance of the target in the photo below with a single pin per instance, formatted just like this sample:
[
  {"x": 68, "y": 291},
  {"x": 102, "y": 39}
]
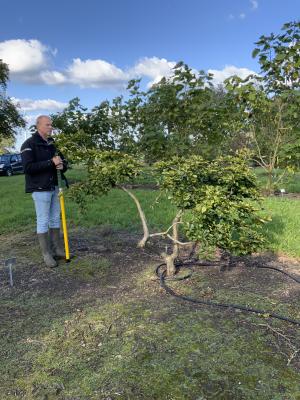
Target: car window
[
  {"x": 4, "y": 159},
  {"x": 13, "y": 159}
]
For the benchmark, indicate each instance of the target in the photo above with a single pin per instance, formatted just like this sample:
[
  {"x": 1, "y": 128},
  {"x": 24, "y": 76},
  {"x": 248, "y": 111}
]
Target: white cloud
[
  {"x": 29, "y": 61},
  {"x": 229, "y": 70},
  {"x": 24, "y": 57},
  {"x": 254, "y": 4},
  {"x": 53, "y": 78},
  {"x": 95, "y": 73},
  {"x": 242, "y": 16},
  {"x": 99, "y": 73},
  {"x": 154, "y": 68},
  {"x": 39, "y": 105}
]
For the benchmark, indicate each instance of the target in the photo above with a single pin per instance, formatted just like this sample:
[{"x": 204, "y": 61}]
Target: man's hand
[{"x": 57, "y": 161}]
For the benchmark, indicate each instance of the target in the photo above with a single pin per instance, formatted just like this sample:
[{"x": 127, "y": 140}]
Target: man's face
[{"x": 44, "y": 127}]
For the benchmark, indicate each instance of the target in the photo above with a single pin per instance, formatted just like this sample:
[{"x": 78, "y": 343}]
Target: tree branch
[
  {"x": 178, "y": 242},
  {"x": 146, "y": 236},
  {"x": 164, "y": 233}
]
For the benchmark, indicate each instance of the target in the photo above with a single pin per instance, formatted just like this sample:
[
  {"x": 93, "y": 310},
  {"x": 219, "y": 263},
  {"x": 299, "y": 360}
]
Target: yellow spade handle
[{"x": 64, "y": 223}]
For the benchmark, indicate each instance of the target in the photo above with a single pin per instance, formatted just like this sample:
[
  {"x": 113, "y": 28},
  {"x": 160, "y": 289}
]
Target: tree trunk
[
  {"x": 270, "y": 181},
  {"x": 170, "y": 259}
]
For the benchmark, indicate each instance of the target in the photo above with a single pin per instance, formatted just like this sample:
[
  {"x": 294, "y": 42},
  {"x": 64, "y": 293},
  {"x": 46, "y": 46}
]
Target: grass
[
  {"x": 117, "y": 209},
  {"x": 284, "y": 229},
  {"x": 184, "y": 357},
  {"x": 291, "y": 182}
]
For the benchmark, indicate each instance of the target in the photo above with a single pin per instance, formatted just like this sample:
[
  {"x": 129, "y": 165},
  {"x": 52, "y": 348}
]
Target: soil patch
[{"x": 109, "y": 294}]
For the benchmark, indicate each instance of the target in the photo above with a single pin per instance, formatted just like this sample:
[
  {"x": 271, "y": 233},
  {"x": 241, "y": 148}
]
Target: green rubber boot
[
  {"x": 44, "y": 245},
  {"x": 56, "y": 243}
]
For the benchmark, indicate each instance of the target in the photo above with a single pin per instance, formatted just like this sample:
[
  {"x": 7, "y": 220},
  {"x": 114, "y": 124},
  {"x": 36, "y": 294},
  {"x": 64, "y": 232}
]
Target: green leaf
[{"x": 255, "y": 52}]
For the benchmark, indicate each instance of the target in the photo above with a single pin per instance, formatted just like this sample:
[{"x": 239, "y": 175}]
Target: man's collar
[
  {"x": 45, "y": 140},
  {"x": 50, "y": 140}
]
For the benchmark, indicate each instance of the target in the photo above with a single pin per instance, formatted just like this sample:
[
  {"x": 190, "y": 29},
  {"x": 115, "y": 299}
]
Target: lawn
[
  {"x": 117, "y": 209},
  {"x": 290, "y": 182}
]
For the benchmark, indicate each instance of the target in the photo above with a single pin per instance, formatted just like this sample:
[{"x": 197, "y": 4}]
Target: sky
[{"x": 89, "y": 49}]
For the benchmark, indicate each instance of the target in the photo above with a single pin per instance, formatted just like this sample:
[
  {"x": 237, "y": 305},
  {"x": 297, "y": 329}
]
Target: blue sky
[{"x": 61, "y": 49}]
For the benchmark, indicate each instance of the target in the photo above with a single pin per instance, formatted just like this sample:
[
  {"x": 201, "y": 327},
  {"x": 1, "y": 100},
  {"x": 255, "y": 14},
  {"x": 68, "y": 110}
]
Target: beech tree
[{"x": 217, "y": 201}]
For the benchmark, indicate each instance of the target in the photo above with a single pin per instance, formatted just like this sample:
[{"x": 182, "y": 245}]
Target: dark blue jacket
[{"x": 40, "y": 171}]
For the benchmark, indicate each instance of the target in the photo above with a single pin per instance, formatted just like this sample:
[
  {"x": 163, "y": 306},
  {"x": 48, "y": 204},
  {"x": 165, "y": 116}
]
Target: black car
[{"x": 11, "y": 164}]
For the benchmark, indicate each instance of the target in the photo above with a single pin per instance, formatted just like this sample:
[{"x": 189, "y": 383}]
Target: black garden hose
[
  {"x": 162, "y": 280},
  {"x": 279, "y": 270}
]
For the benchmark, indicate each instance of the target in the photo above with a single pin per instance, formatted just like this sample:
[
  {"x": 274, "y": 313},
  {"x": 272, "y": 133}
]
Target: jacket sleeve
[{"x": 31, "y": 166}]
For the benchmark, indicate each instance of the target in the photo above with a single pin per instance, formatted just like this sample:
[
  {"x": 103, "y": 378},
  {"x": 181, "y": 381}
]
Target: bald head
[{"x": 44, "y": 126}]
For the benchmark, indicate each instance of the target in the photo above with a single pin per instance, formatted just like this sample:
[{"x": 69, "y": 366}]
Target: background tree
[
  {"x": 10, "y": 118},
  {"x": 79, "y": 129},
  {"x": 269, "y": 124},
  {"x": 6, "y": 144},
  {"x": 180, "y": 114},
  {"x": 4, "y": 75},
  {"x": 265, "y": 109},
  {"x": 279, "y": 58}
]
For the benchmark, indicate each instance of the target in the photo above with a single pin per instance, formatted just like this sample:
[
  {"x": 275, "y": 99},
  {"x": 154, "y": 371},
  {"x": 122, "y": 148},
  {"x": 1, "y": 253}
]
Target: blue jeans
[{"x": 47, "y": 209}]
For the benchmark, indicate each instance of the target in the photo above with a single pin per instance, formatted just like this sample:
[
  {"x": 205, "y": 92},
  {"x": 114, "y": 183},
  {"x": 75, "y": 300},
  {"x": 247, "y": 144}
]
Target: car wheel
[{"x": 9, "y": 172}]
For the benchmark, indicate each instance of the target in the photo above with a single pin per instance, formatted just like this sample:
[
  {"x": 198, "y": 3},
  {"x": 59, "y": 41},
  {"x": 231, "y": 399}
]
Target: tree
[
  {"x": 266, "y": 108},
  {"x": 79, "y": 129},
  {"x": 6, "y": 144},
  {"x": 179, "y": 115},
  {"x": 10, "y": 119},
  {"x": 215, "y": 200},
  {"x": 269, "y": 124},
  {"x": 279, "y": 58},
  {"x": 4, "y": 74}
]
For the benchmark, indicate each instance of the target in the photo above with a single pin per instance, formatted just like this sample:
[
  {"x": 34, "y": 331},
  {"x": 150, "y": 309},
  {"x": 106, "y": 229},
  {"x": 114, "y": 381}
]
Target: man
[{"x": 41, "y": 165}]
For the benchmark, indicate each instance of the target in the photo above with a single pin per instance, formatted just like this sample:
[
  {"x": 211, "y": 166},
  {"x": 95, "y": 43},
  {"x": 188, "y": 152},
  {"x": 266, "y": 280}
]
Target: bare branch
[
  {"x": 143, "y": 241},
  {"x": 166, "y": 232},
  {"x": 178, "y": 242},
  {"x": 258, "y": 149},
  {"x": 258, "y": 162}
]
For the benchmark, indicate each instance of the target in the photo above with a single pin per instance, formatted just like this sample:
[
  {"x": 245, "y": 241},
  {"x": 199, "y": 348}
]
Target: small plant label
[{"x": 10, "y": 262}]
